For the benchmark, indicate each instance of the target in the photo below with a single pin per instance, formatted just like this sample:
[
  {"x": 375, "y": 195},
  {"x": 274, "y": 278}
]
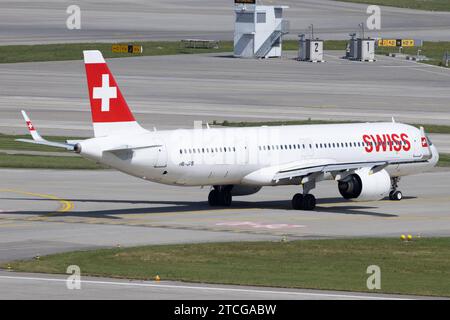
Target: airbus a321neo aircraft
[{"x": 366, "y": 159}]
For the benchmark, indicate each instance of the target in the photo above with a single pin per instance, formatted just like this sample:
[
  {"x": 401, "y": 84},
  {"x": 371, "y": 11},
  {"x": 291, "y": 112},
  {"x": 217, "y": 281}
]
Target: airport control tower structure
[{"x": 258, "y": 30}]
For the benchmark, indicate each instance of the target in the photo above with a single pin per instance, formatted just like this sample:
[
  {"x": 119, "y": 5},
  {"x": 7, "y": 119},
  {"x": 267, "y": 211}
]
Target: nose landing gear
[{"x": 395, "y": 195}]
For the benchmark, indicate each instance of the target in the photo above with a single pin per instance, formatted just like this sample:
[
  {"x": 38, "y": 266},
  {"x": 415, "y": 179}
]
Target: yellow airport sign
[
  {"x": 387, "y": 43},
  {"x": 126, "y": 48},
  {"x": 396, "y": 43},
  {"x": 408, "y": 43}
]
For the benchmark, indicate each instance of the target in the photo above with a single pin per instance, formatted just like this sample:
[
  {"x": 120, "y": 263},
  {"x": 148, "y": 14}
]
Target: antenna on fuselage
[{"x": 393, "y": 120}]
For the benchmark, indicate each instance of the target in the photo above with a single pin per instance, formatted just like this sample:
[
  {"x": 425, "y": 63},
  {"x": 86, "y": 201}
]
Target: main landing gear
[
  {"x": 220, "y": 196},
  {"x": 305, "y": 201},
  {"x": 395, "y": 195}
]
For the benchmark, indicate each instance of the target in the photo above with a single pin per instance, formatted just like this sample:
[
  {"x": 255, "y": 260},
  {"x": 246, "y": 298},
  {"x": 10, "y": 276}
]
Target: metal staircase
[
  {"x": 283, "y": 28},
  {"x": 267, "y": 45}
]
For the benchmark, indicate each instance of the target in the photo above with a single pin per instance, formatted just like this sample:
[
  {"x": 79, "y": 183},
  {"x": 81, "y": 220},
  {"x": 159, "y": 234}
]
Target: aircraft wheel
[
  {"x": 309, "y": 202},
  {"x": 297, "y": 201},
  {"x": 226, "y": 198},
  {"x": 397, "y": 196},
  {"x": 213, "y": 198},
  {"x": 219, "y": 198}
]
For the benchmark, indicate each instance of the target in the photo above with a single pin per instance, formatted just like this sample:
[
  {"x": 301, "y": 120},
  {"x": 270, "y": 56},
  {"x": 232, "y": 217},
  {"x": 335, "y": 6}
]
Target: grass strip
[
  {"x": 430, "y": 5},
  {"x": 414, "y": 267},
  {"x": 46, "y": 162}
]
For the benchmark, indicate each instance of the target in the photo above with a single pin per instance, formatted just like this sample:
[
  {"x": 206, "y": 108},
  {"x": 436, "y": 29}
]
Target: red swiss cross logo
[
  {"x": 30, "y": 126},
  {"x": 424, "y": 142}
]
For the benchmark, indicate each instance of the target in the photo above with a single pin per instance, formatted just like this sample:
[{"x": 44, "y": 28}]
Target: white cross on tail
[{"x": 105, "y": 92}]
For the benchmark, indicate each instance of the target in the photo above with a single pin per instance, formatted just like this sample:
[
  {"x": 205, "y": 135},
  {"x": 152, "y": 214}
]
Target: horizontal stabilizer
[
  {"x": 49, "y": 143},
  {"x": 37, "y": 138}
]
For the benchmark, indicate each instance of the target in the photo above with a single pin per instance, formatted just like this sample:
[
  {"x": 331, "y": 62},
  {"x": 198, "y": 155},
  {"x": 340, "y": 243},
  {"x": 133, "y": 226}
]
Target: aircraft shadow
[{"x": 341, "y": 207}]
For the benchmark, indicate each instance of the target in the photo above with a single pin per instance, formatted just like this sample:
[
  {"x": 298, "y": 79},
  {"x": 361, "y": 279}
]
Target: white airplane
[{"x": 366, "y": 159}]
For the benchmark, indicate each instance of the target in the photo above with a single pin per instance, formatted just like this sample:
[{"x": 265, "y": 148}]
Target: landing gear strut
[
  {"x": 305, "y": 201},
  {"x": 220, "y": 196},
  {"x": 395, "y": 195}
]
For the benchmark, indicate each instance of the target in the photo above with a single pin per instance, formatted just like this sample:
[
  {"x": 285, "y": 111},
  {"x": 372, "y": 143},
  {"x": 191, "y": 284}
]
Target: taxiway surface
[
  {"x": 43, "y": 21},
  {"x": 170, "y": 92}
]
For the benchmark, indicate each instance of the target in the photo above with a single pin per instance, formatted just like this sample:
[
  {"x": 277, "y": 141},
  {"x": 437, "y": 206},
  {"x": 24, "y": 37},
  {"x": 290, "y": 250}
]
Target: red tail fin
[{"x": 110, "y": 112}]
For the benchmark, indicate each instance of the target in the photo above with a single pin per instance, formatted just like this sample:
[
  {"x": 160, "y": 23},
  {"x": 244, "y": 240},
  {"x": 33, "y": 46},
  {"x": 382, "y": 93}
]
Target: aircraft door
[{"x": 161, "y": 156}]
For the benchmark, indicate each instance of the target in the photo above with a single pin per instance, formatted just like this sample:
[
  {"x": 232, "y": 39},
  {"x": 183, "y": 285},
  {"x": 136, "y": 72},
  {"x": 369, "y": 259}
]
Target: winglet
[
  {"x": 36, "y": 136},
  {"x": 37, "y": 139}
]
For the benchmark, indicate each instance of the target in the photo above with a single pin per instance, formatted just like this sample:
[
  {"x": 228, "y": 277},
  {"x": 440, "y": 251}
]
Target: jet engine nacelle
[
  {"x": 241, "y": 190},
  {"x": 364, "y": 186}
]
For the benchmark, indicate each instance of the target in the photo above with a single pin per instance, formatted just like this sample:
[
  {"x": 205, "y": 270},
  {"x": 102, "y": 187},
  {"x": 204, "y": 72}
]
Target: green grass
[
  {"x": 74, "y": 51},
  {"x": 432, "y": 50},
  {"x": 434, "y": 5},
  {"x": 417, "y": 267},
  {"x": 444, "y": 160},
  {"x": 7, "y": 142},
  {"x": 45, "y": 162},
  {"x": 429, "y": 128},
  {"x": 227, "y": 123}
]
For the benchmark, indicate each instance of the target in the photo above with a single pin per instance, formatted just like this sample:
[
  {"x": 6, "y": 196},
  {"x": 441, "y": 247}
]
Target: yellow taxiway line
[{"x": 66, "y": 205}]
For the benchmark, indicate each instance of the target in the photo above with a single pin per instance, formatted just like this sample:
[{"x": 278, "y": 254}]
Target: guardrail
[{"x": 199, "y": 44}]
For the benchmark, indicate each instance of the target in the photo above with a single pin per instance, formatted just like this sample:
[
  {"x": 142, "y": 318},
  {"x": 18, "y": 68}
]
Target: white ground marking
[{"x": 166, "y": 286}]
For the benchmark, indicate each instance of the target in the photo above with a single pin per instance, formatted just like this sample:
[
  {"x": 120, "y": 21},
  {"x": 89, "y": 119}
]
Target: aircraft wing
[
  {"x": 336, "y": 168},
  {"x": 311, "y": 169},
  {"x": 37, "y": 138}
]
